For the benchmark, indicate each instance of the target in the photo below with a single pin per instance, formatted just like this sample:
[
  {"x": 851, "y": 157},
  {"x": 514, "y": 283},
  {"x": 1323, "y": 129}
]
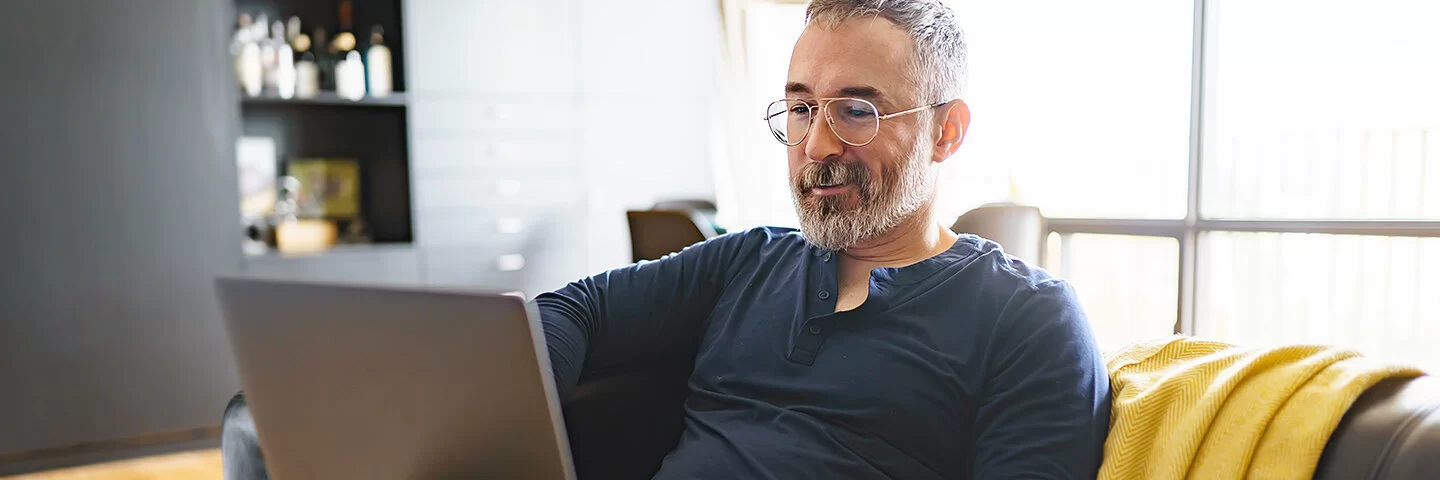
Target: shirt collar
[{"x": 966, "y": 247}]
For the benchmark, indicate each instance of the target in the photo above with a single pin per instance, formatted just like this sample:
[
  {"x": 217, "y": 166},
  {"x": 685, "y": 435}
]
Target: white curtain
[{"x": 750, "y": 171}]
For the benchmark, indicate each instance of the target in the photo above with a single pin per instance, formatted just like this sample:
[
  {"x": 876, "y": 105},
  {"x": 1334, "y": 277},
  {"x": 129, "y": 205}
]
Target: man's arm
[
  {"x": 1046, "y": 410},
  {"x": 639, "y": 311}
]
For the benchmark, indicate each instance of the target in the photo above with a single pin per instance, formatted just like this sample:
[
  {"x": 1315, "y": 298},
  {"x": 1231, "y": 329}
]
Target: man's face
[{"x": 846, "y": 194}]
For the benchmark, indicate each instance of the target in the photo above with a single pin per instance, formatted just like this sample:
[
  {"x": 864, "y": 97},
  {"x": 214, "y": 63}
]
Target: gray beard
[{"x": 884, "y": 203}]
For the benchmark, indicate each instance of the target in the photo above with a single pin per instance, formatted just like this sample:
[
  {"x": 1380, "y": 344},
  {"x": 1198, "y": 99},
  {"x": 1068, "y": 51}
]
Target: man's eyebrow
[
  {"x": 862, "y": 91},
  {"x": 868, "y": 93}
]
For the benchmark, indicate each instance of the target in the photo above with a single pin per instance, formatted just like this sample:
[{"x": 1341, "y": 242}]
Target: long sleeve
[
  {"x": 635, "y": 312},
  {"x": 1046, "y": 410}
]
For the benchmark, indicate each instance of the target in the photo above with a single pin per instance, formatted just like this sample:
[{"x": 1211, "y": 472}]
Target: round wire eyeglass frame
[{"x": 824, "y": 105}]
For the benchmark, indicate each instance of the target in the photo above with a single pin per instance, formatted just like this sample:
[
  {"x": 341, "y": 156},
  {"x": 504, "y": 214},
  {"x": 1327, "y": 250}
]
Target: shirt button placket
[{"x": 808, "y": 344}]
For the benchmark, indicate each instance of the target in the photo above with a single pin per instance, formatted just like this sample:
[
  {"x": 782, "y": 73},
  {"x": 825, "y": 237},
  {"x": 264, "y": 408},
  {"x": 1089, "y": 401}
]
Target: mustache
[{"x": 834, "y": 172}]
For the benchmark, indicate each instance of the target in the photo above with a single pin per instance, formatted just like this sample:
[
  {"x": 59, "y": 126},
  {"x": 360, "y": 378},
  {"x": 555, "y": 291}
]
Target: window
[
  {"x": 1377, "y": 294},
  {"x": 1258, "y": 171},
  {"x": 1320, "y": 176},
  {"x": 1105, "y": 84},
  {"x": 1129, "y": 285},
  {"x": 1327, "y": 110}
]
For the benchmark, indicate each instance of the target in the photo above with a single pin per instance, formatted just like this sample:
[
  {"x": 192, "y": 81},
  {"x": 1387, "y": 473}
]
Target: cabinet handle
[
  {"x": 510, "y": 263},
  {"x": 510, "y": 225}
]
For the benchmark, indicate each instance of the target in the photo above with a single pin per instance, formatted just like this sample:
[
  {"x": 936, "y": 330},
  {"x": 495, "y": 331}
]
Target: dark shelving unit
[
  {"x": 325, "y": 13},
  {"x": 374, "y": 131},
  {"x": 376, "y": 137}
]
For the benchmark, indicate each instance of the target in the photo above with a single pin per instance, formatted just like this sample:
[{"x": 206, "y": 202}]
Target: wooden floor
[{"x": 197, "y": 465}]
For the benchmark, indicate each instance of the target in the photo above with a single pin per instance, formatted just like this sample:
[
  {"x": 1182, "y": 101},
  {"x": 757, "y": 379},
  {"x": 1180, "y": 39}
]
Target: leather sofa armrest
[{"x": 1391, "y": 432}]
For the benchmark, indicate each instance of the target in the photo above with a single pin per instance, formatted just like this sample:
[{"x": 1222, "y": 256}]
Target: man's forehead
[{"x": 861, "y": 57}]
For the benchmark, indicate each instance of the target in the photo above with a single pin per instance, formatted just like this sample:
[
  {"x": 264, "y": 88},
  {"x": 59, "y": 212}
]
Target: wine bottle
[
  {"x": 292, "y": 31},
  {"x": 249, "y": 63},
  {"x": 345, "y": 37},
  {"x": 324, "y": 59},
  {"x": 350, "y": 77},
  {"x": 377, "y": 65},
  {"x": 270, "y": 53},
  {"x": 307, "y": 74},
  {"x": 285, "y": 71},
  {"x": 349, "y": 69}
]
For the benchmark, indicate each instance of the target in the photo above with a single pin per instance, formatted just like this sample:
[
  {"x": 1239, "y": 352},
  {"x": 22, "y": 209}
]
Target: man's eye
[
  {"x": 800, "y": 108},
  {"x": 858, "y": 112}
]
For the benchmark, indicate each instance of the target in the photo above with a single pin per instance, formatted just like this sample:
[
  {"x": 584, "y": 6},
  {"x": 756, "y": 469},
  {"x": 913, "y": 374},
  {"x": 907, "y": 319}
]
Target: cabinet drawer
[
  {"x": 456, "y": 149},
  {"x": 497, "y": 226},
  {"x": 438, "y": 188},
  {"x": 445, "y": 112},
  {"x": 480, "y": 268}
]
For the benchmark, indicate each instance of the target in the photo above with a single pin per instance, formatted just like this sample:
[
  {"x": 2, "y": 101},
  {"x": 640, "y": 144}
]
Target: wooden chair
[{"x": 656, "y": 233}]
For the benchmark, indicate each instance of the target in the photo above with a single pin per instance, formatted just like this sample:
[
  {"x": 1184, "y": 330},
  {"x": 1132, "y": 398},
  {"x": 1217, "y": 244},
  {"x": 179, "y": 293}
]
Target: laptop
[{"x": 361, "y": 382}]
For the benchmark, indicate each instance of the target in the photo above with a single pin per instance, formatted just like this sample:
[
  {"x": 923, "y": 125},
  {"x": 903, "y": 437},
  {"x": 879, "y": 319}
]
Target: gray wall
[{"x": 117, "y": 209}]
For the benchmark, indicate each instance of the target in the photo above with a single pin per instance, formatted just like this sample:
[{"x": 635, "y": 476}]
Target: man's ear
[{"x": 955, "y": 120}]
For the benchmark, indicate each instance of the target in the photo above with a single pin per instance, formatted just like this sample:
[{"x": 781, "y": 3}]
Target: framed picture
[
  {"x": 256, "y": 159},
  {"x": 329, "y": 187}
]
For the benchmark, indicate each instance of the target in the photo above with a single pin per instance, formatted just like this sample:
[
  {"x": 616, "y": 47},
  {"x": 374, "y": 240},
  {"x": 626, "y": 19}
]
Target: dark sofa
[{"x": 622, "y": 424}]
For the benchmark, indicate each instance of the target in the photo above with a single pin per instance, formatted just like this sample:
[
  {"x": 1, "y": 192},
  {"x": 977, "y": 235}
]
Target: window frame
[{"x": 1188, "y": 230}]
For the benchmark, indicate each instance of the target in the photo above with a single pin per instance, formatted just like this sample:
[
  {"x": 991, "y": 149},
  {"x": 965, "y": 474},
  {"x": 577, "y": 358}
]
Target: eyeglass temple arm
[
  {"x": 913, "y": 110},
  {"x": 767, "y": 117}
]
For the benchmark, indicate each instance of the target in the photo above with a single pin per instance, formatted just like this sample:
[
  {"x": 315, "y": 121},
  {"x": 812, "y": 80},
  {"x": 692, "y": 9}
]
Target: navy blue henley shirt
[{"x": 969, "y": 364}]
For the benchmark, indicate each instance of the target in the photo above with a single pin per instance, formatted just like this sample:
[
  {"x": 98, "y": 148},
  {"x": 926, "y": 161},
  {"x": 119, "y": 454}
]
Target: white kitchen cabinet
[
  {"x": 492, "y": 46},
  {"x": 536, "y": 124}
]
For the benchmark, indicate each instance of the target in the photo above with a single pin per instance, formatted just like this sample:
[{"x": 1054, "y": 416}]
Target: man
[{"x": 873, "y": 343}]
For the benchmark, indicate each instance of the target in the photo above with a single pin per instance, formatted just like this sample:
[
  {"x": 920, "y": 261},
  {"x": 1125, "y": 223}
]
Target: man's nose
[{"x": 822, "y": 143}]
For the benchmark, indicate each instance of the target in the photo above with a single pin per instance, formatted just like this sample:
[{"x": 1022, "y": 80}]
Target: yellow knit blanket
[{"x": 1187, "y": 408}]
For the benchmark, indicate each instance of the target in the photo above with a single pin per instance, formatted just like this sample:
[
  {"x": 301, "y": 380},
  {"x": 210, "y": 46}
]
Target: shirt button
[
  {"x": 814, "y": 329},
  {"x": 827, "y": 256},
  {"x": 824, "y": 295}
]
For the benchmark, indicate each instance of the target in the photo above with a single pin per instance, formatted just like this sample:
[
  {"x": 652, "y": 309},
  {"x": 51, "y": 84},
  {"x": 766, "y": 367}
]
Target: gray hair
[{"x": 940, "y": 60}]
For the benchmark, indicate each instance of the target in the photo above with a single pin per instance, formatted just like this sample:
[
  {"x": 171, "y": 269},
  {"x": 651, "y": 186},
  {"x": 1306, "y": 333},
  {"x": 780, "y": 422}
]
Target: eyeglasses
[{"x": 855, "y": 121}]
